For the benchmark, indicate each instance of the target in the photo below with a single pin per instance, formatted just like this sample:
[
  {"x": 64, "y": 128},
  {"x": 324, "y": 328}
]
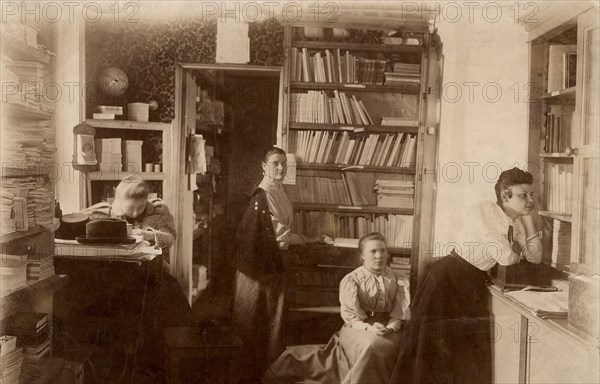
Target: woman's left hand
[{"x": 145, "y": 234}]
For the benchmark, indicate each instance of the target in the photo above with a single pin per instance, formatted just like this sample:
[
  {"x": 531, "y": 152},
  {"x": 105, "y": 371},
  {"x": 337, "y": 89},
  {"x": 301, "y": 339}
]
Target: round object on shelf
[
  {"x": 153, "y": 105},
  {"x": 113, "y": 81}
]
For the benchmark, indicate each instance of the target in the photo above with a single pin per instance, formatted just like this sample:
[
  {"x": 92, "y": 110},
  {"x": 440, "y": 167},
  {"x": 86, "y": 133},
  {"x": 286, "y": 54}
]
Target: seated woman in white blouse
[{"x": 373, "y": 302}]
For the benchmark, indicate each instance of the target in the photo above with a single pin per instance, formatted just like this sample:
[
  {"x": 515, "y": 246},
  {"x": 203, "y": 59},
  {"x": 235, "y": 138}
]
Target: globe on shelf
[
  {"x": 113, "y": 81},
  {"x": 153, "y": 105}
]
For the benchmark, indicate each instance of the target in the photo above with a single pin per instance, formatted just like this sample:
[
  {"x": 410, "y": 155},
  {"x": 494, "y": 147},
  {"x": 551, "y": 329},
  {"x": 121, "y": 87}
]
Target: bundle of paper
[
  {"x": 542, "y": 304},
  {"x": 137, "y": 250}
]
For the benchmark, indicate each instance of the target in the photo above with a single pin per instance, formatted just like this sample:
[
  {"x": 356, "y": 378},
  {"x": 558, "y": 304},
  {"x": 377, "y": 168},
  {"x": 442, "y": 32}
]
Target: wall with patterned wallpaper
[{"x": 148, "y": 52}]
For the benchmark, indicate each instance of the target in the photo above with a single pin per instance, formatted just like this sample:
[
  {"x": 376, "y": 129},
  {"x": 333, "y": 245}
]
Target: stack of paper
[
  {"x": 13, "y": 276},
  {"x": 543, "y": 304},
  {"x": 11, "y": 360},
  {"x": 7, "y": 214},
  {"x": 395, "y": 193},
  {"x": 138, "y": 250}
]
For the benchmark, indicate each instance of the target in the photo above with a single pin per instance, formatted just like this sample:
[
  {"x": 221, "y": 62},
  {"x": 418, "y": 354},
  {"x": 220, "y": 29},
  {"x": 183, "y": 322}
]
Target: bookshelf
[
  {"x": 101, "y": 182},
  {"x": 355, "y": 114},
  {"x": 28, "y": 174},
  {"x": 564, "y": 147}
]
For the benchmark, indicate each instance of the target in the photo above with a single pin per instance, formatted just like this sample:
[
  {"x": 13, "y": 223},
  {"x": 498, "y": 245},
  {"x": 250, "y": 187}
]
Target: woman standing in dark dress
[
  {"x": 260, "y": 302},
  {"x": 448, "y": 337}
]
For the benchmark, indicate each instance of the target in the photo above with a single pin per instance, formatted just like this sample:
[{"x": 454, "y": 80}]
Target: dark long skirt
[
  {"x": 448, "y": 337},
  {"x": 259, "y": 310}
]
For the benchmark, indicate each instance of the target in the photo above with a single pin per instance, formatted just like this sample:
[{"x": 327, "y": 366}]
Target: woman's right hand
[{"x": 377, "y": 329}]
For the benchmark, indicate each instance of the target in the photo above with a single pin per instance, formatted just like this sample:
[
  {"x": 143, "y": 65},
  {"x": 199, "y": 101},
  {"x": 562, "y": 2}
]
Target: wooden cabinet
[
  {"x": 358, "y": 114},
  {"x": 527, "y": 349},
  {"x": 565, "y": 146}
]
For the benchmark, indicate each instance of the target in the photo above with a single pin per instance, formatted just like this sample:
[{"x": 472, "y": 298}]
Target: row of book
[
  {"x": 561, "y": 242},
  {"x": 346, "y": 189},
  {"x": 395, "y": 193},
  {"x": 333, "y": 66},
  {"x": 32, "y": 333},
  {"x": 319, "y": 107},
  {"x": 397, "y": 229},
  {"x": 557, "y": 135},
  {"x": 331, "y": 147},
  {"x": 560, "y": 188},
  {"x": 27, "y": 143}
]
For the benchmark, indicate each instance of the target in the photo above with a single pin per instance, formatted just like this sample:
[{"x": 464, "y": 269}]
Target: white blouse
[
  {"x": 282, "y": 213},
  {"x": 483, "y": 241},
  {"x": 362, "y": 292}
]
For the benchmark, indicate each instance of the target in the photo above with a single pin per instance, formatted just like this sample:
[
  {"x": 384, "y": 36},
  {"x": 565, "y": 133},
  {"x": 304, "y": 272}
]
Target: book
[{"x": 103, "y": 116}]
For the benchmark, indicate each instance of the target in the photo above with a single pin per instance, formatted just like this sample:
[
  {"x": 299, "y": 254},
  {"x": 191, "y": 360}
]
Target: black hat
[
  {"x": 71, "y": 226},
  {"x": 106, "y": 231}
]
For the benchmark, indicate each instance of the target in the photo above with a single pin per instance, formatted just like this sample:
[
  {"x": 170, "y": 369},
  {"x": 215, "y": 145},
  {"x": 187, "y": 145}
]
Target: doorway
[{"x": 236, "y": 110}]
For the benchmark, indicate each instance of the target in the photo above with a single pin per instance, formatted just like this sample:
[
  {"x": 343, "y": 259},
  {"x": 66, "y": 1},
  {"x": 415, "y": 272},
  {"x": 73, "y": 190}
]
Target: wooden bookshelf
[
  {"x": 370, "y": 144},
  {"x": 353, "y": 128},
  {"x": 557, "y": 216},
  {"x": 406, "y": 88},
  {"x": 22, "y": 234},
  {"x": 351, "y": 209},
  {"x": 127, "y": 124}
]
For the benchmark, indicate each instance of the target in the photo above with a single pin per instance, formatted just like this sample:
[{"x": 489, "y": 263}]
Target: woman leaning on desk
[
  {"x": 264, "y": 234},
  {"x": 448, "y": 337}
]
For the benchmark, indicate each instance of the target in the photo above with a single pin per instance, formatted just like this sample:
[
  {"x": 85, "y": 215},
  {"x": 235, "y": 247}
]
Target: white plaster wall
[{"x": 480, "y": 129}]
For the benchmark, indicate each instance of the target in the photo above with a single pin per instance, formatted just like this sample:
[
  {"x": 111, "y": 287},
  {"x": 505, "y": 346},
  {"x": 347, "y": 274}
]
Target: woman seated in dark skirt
[
  {"x": 448, "y": 338},
  {"x": 373, "y": 302}
]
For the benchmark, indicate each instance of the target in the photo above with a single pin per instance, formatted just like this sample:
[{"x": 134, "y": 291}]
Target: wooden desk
[
  {"x": 211, "y": 352},
  {"x": 99, "y": 315}
]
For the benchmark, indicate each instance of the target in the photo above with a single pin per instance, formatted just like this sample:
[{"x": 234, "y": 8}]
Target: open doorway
[{"x": 235, "y": 109}]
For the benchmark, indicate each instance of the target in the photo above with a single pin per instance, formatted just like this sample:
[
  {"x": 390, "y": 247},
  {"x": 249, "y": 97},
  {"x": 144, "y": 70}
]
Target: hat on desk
[
  {"x": 106, "y": 231},
  {"x": 72, "y": 225}
]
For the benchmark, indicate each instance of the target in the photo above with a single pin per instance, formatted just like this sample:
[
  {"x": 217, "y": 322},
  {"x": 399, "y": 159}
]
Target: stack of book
[
  {"x": 13, "y": 276},
  {"x": 401, "y": 121},
  {"x": 395, "y": 193},
  {"x": 33, "y": 335},
  {"x": 561, "y": 242},
  {"x": 109, "y": 155},
  {"x": 403, "y": 73},
  {"x": 400, "y": 263},
  {"x": 107, "y": 112},
  {"x": 335, "y": 67},
  {"x": 11, "y": 360},
  {"x": 7, "y": 214}
]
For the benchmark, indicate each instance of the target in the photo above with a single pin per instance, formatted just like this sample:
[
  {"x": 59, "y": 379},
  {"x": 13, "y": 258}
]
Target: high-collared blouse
[
  {"x": 483, "y": 240},
  {"x": 363, "y": 292},
  {"x": 282, "y": 213}
]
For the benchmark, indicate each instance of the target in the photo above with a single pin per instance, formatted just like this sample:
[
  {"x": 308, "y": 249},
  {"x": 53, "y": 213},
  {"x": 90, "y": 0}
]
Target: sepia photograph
[{"x": 300, "y": 192}]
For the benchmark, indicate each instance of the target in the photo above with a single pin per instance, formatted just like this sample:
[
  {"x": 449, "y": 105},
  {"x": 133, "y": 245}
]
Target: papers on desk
[
  {"x": 140, "y": 250},
  {"x": 542, "y": 304}
]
